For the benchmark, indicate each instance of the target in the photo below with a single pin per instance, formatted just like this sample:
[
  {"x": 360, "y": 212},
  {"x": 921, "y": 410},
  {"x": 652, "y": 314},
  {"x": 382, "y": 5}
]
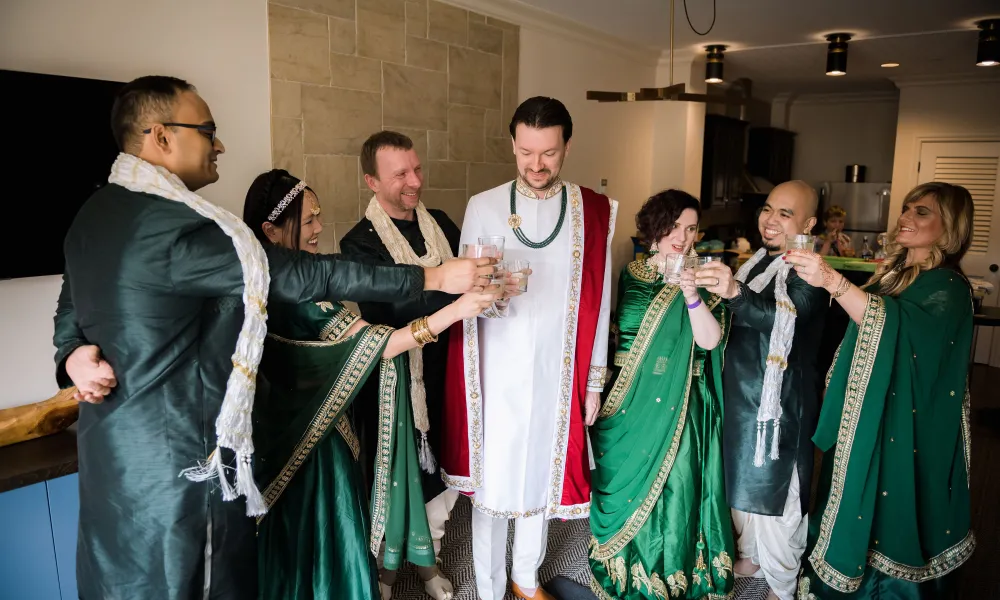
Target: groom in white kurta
[{"x": 524, "y": 381}]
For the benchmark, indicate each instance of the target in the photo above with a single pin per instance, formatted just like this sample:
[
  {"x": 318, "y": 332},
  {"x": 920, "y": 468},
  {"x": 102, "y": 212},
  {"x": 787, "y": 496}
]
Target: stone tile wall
[{"x": 343, "y": 69}]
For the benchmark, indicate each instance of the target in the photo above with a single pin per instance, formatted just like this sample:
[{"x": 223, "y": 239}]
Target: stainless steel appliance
[{"x": 867, "y": 206}]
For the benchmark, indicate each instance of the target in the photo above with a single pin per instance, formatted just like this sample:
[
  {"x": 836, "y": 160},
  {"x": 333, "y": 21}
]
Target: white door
[{"x": 975, "y": 166}]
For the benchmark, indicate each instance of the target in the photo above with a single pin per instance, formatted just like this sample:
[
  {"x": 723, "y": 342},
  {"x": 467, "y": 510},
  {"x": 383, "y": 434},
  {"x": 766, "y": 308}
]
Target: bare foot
[{"x": 744, "y": 567}]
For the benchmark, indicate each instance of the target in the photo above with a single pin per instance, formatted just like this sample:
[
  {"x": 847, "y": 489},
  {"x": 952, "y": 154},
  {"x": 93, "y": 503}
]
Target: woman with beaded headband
[
  {"x": 659, "y": 514},
  {"x": 316, "y": 540},
  {"x": 894, "y": 426}
]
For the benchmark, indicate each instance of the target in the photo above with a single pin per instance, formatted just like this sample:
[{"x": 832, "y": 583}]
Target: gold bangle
[
  {"x": 421, "y": 332},
  {"x": 842, "y": 288}
]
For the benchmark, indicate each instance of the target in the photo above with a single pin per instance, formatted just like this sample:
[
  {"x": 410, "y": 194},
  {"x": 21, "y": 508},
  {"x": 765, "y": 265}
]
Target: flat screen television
[{"x": 59, "y": 150}]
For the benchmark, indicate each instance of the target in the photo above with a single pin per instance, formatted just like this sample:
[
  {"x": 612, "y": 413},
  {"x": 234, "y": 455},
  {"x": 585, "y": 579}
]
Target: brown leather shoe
[{"x": 540, "y": 593}]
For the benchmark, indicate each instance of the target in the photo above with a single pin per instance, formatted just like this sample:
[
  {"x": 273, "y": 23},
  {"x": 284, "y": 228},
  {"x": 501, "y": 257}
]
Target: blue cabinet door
[
  {"x": 64, "y": 508},
  {"x": 27, "y": 557}
]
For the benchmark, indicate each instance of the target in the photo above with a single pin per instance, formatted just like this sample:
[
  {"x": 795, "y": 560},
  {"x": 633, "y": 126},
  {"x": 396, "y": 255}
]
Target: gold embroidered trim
[
  {"x": 638, "y": 518},
  {"x": 528, "y": 192},
  {"x": 597, "y": 376},
  {"x": 473, "y": 402},
  {"x": 723, "y": 564},
  {"x": 940, "y": 565},
  {"x": 383, "y": 451},
  {"x": 620, "y": 357},
  {"x": 341, "y": 322},
  {"x": 570, "y": 511},
  {"x": 862, "y": 364},
  {"x": 642, "y": 271},
  {"x": 598, "y": 589},
  {"x": 462, "y": 484},
  {"x": 647, "y": 329},
  {"x": 967, "y": 433},
  {"x": 368, "y": 350},
  {"x": 561, "y": 440},
  {"x": 347, "y": 432},
  {"x": 829, "y": 372}
]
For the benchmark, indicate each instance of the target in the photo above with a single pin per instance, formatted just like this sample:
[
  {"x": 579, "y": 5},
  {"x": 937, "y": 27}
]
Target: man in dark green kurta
[
  {"x": 157, "y": 287},
  {"x": 777, "y": 322}
]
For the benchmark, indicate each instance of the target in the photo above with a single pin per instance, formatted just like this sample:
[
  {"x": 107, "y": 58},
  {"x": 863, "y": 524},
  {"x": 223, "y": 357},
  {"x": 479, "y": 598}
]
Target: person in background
[
  {"x": 894, "y": 486},
  {"x": 833, "y": 241}
]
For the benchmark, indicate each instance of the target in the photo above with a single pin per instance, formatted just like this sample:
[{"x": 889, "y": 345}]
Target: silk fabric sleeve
[
  {"x": 204, "y": 263},
  {"x": 68, "y": 336},
  {"x": 599, "y": 357},
  {"x": 758, "y": 312}
]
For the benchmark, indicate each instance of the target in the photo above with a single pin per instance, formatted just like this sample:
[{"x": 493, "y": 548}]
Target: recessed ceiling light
[{"x": 889, "y": 65}]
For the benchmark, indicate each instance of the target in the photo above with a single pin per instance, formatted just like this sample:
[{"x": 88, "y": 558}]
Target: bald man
[{"x": 769, "y": 382}]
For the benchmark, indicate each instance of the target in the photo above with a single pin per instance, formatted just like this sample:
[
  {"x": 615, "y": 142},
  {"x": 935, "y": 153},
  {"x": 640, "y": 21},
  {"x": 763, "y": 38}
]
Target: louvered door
[{"x": 976, "y": 166}]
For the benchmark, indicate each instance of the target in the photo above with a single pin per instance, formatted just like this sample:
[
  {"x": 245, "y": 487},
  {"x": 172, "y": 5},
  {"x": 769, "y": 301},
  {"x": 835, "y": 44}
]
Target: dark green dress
[
  {"x": 159, "y": 288},
  {"x": 659, "y": 515},
  {"x": 894, "y": 489},
  {"x": 315, "y": 540},
  {"x": 763, "y": 490}
]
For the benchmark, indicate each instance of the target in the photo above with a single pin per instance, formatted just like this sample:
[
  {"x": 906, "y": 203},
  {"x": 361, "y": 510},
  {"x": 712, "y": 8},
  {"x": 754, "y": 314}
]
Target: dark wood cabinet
[
  {"x": 722, "y": 161},
  {"x": 769, "y": 153}
]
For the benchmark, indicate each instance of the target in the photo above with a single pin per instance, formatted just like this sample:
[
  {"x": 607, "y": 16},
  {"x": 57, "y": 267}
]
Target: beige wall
[
  {"x": 611, "y": 141},
  {"x": 834, "y": 131},
  {"x": 344, "y": 69},
  {"x": 952, "y": 111},
  {"x": 219, "y": 46}
]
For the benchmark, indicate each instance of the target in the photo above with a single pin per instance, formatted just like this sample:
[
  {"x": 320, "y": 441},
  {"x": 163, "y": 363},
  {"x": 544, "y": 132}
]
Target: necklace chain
[{"x": 515, "y": 220}]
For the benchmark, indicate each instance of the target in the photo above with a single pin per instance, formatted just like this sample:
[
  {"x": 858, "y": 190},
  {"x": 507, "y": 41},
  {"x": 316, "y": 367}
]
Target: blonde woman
[{"x": 894, "y": 425}]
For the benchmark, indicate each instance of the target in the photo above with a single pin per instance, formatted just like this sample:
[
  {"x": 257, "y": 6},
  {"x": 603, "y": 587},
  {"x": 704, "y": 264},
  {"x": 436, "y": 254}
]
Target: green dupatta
[
  {"x": 310, "y": 385},
  {"x": 636, "y": 438},
  {"x": 896, "y": 419}
]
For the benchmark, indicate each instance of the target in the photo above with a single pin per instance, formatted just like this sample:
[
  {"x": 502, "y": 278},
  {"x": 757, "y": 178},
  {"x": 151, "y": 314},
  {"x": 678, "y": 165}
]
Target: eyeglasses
[{"x": 206, "y": 130}]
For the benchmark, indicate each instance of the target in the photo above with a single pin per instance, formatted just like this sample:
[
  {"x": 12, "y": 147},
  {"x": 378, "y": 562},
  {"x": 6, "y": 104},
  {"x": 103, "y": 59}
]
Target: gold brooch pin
[{"x": 514, "y": 221}]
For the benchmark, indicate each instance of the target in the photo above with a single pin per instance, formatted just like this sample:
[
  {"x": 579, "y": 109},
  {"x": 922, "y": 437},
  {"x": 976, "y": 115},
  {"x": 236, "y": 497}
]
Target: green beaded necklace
[{"x": 515, "y": 220}]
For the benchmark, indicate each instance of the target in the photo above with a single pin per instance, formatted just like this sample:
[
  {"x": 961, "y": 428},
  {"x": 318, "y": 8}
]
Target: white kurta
[{"x": 524, "y": 375}]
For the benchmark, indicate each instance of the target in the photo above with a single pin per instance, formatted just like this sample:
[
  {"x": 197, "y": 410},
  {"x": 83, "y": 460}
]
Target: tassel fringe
[
  {"x": 758, "y": 453},
  {"x": 427, "y": 462},
  {"x": 774, "y": 440}
]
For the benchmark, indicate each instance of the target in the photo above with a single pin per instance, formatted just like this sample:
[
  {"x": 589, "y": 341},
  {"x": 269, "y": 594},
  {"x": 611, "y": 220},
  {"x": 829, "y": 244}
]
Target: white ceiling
[{"x": 779, "y": 44}]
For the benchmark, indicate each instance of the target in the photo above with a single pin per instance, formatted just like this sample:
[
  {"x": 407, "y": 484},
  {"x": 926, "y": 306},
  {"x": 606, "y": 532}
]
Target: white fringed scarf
[
  {"x": 233, "y": 426},
  {"x": 777, "y": 353},
  {"x": 437, "y": 250}
]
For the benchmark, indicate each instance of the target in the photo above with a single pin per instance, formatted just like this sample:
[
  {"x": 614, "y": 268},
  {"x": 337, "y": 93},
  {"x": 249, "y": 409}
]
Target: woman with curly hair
[
  {"x": 894, "y": 425},
  {"x": 659, "y": 514}
]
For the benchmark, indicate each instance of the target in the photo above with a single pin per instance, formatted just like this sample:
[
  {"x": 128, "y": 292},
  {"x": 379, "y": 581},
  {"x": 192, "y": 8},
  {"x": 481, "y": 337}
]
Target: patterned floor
[{"x": 566, "y": 555}]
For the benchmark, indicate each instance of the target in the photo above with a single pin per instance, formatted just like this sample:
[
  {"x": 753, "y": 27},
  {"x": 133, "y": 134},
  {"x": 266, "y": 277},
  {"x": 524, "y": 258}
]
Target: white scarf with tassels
[
  {"x": 777, "y": 353},
  {"x": 437, "y": 250},
  {"x": 233, "y": 426}
]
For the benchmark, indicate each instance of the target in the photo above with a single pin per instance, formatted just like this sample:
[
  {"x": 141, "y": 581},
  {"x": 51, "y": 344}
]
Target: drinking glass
[
  {"x": 500, "y": 273},
  {"x": 518, "y": 270},
  {"x": 702, "y": 261},
  {"x": 801, "y": 242},
  {"x": 675, "y": 264},
  {"x": 493, "y": 240},
  {"x": 478, "y": 251}
]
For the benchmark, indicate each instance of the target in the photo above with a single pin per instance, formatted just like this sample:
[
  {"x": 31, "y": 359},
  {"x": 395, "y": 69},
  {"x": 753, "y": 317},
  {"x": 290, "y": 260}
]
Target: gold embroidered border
[
  {"x": 341, "y": 322},
  {"x": 528, "y": 192},
  {"x": 571, "y": 511},
  {"x": 642, "y": 271},
  {"x": 647, "y": 329},
  {"x": 638, "y": 518},
  {"x": 829, "y": 372},
  {"x": 558, "y": 473},
  {"x": 461, "y": 484},
  {"x": 597, "y": 376},
  {"x": 473, "y": 401},
  {"x": 347, "y": 432},
  {"x": 940, "y": 565},
  {"x": 598, "y": 589},
  {"x": 967, "y": 433},
  {"x": 865, "y": 350},
  {"x": 368, "y": 349},
  {"x": 620, "y": 357},
  {"x": 383, "y": 451}
]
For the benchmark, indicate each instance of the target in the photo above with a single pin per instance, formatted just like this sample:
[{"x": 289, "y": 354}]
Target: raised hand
[
  {"x": 459, "y": 275},
  {"x": 718, "y": 279}
]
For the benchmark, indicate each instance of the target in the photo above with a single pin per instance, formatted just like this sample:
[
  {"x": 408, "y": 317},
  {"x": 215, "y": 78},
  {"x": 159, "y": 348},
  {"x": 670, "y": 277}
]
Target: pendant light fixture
[
  {"x": 836, "y": 54},
  {"x": 713, "y": 66},
  {"x": 988, "y": 54}
]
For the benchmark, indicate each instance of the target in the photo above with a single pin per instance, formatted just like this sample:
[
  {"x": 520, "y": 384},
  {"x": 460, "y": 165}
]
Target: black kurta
[
  {"x": 159, "y": 288},
  {"x": 363, "y": 241},
  {"x": 763, "y": 490}
]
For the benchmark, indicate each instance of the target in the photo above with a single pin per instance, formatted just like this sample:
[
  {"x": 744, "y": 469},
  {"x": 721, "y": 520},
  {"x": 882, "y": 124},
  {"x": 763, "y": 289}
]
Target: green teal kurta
[
  {"x": 895, "y": 514},
  {"x": 763, "y": 490},
  {"x": 158, "y": 287},
  {"x": 659, "y": 514},
  {"x": 316, "y": 540}
]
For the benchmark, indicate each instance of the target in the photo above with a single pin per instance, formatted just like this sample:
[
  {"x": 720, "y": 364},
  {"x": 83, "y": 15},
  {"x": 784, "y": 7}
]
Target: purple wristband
[{"x": 695, "y": 304}]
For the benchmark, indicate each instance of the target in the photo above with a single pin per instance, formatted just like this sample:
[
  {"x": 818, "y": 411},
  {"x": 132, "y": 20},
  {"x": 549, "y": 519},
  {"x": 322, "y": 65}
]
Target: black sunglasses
[{"x": 206, "y": 130}]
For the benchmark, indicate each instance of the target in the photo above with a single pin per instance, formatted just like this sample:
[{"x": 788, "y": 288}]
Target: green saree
[
  {"x": 659, "y": 515},
  {"x": 316, "y": 540},
  {"x": 895, "y": 515}
]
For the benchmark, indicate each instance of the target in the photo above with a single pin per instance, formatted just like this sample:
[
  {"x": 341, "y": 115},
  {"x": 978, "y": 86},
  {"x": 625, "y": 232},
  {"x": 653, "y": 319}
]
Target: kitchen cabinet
[
  {"x": 769, "y": 153},
  {"x": 722, "y": 161}
]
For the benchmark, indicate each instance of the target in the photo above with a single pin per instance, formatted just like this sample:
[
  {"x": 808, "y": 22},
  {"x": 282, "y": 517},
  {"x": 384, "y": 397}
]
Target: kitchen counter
[{"x": 37, "y": 460}]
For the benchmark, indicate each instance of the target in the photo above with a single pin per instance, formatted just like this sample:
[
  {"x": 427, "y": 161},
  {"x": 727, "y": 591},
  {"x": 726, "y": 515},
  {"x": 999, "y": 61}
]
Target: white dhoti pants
[
  {"x": 489, "y": 552},
  {"x": 438, "y": 512},
  {"x": 776, "y": 543}
]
